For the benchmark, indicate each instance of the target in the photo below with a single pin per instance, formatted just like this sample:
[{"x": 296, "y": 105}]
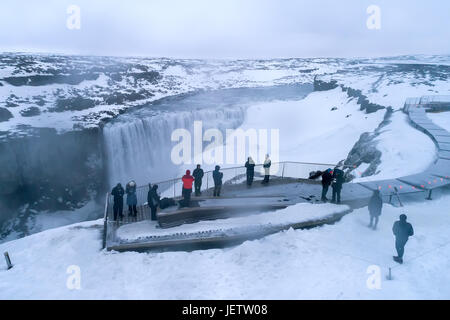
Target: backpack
[{"x": 166, "y": 202}]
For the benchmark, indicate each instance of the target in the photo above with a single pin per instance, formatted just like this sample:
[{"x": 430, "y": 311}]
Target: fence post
[
  {"x": 105, "y": 221},
  {"x": 174, "y": 183},
  {"x": 282, "y": 172},
  {"x": 207, "y": 181},
  {"x": 8, "y": 260}
]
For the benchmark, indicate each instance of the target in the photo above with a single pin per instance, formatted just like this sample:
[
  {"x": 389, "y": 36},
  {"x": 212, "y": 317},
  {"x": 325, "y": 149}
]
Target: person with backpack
[
  {"x": 375, "y": 206},
  {"x": 336, "y": 186},
  {"x": 153, "y": 200},
  {"x": 266, "y": 166},
  {"x": 327, "y": 178},
  {"x": 130, "y": 190},
  {"x": 250, "y": 166},
  {"x": 198, "y": 176},
  {"x": 187, "y": 187},
  {"x": 118, "y": 193},
  {"x": 217, "y": 176},
  {"x": 402, "y": 231}
]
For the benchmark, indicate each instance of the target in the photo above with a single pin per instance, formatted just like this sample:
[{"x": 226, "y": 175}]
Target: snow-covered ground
[
  {"x": 330, "y": 262},
  {"x": 442, "y": 119},
  {"x": 298, "y": 213},
  {"x": 405, "y": 150}
]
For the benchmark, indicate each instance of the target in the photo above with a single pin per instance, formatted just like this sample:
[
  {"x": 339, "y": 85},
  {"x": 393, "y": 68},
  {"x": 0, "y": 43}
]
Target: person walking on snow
[
  {"x": 402, "y": 231},
  {"x": 266, "y": 166},
  {"x": 217, "y": 176},
  {"x": 153, "y": 200},
  {"x": 336, "y": 186},
  {"x": 327, "y": 177},
  {"x": 187, "y": 187},
  {"x": 250, "y": 165},
  {"x": 375, "y": 206},
  {"x": 130, "y": 190},
  {"x": 118, "y": 193},
  {"x": 198, "y": 176}
]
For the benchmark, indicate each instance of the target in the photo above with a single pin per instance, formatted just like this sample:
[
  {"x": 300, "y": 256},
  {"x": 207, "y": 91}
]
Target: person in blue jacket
[{"x": 130, "y": 190}]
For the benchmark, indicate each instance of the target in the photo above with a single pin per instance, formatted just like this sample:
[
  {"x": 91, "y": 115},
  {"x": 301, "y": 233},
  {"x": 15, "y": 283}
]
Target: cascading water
[
  {"x": 141, "y": 149},
  {"x": 138, "y": 144}
]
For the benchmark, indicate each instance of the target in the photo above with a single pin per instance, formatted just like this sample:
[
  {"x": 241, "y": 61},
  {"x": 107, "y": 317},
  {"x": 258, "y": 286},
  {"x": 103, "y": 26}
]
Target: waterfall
[
  {"x": 138, "y": 144},
  {"x": 140, "y": 149}
]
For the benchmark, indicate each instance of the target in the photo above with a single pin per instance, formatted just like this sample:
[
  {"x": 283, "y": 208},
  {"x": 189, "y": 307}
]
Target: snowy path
[{"x": 329, "y": 262}]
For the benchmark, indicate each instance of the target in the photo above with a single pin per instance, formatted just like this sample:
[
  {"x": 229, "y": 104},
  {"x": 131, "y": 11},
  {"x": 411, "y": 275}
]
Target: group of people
[
  {"x": 401, "y": 229},
  {"x": 130, "y": 190},
  {"x": 335, "y": 179},
  {"x": 196, "y": 179},
  {"x": 250, "y": 170}
]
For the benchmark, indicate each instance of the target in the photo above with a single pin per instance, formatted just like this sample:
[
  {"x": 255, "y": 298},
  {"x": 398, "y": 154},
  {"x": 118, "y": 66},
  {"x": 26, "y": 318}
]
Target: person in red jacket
[{"x": 187, "y": 187}]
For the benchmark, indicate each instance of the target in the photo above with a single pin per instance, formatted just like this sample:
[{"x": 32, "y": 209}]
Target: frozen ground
[
  {"x": 330, "y": 262},
  {"x": 298, "y": 213}
]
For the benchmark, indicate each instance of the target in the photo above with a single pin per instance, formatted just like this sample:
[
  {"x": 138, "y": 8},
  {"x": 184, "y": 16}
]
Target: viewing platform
[{"x": 242, "y": 212}]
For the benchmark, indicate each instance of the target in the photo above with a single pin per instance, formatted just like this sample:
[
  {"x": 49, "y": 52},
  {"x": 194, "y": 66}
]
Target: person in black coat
[
  {"x": 153, "y": 199},
  {"x": 375, "y": 207},
  {"x": 118, "y": 193},
  {"x": 198, "y": 175},
  {"x": 338, "y": 181},
  {"x": 217, "y": 176},
  {"x": 250, "y": 166},
  {"x": 327, "y": 178},
  {"x": 402, "y": 231}
]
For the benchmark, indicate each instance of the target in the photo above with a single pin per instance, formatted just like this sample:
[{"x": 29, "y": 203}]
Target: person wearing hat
[
  {"x": 375, "y": 206},
  {"x": 198, "y": 176},
  {"x": 187, "y": 187},
  {"x": 336, "y": 186},
  {"x": 266, "y": 166},
  {"x": 130, "y": 190},
  {"x": 250, "y": 168},
  {"x": 118, "y": 193},
  {"x": 327, "y": 178},
  {"x": 402, "y": 231},
  {"x": 217, "y": 176},
  {"x": 153, "y": 199}
]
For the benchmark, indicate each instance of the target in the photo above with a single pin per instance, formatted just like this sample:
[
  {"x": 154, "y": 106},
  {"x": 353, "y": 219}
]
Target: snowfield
[{"x": 329, "y": 262}]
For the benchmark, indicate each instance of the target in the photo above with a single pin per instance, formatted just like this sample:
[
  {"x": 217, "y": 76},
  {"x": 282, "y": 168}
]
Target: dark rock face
[
  {"x": 363, "y": 101},
  {"x": 41, "y": 80},
  {"x": 5, "y": 115},
  {"x": 320, "y": 85},
  {"x": 365, "y": 150},
  {"x": 77, "y": 103},
  {"x": 30, "y": 112},
  {"x": 50, "y": 171}
]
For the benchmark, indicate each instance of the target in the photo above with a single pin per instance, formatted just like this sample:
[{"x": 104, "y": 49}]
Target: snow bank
[
  {"x": 298, "y": 213},
  {"x": 405, "y": 150},
  {"x": 323, "y": 263}
]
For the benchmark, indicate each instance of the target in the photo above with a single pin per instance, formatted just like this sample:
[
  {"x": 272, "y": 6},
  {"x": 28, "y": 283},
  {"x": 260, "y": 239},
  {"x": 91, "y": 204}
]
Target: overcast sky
[{"x": 227, "y": 28}]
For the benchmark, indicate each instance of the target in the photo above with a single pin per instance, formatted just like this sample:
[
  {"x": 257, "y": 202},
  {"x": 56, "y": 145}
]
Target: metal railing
[{"x": 231, "y": 176}]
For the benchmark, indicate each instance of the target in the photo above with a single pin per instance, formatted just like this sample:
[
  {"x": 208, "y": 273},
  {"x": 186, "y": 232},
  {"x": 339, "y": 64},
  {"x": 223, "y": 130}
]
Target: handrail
[{"x": 257, "y": 165}]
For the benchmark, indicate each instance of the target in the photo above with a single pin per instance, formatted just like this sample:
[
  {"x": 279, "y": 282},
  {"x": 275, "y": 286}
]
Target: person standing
[
  {"x": 130, "y": 190},
  {"x": 375, "y": 207},
  {"x": 217, "y": 176},
  {"x": 338, "y": 181},
  {"x": 327, "y": 177},
  {"x": 266, "y": 166},
  {"x": 118, "y": 193},
  {"x": 198, "y": 176},
  {"x": 153, "y": 200},
  {"x": 187, "y": 187},
  {"x": 250, "y": 165},
  {"x": 402, "y": 231}
]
